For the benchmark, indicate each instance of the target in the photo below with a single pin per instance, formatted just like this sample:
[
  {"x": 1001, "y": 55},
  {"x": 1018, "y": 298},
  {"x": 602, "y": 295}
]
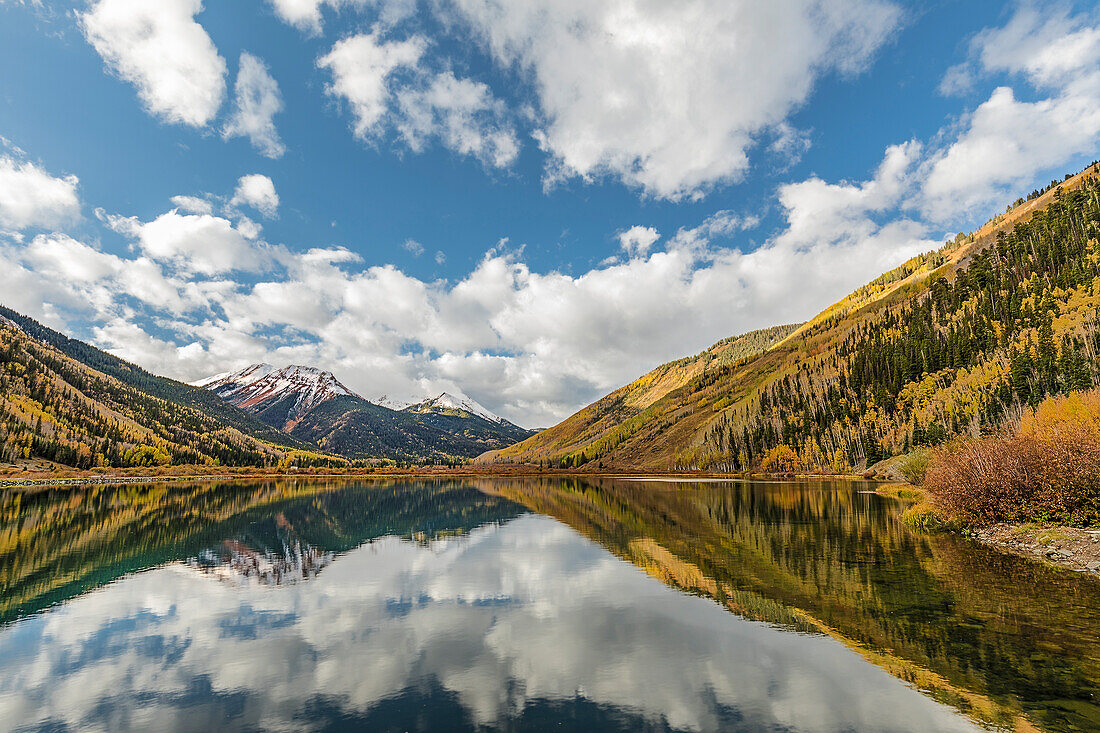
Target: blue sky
[{"x": 530, "y": 203}]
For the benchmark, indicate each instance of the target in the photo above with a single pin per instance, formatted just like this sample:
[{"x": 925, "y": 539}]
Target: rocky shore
[{"x": 1067, "y": 547}]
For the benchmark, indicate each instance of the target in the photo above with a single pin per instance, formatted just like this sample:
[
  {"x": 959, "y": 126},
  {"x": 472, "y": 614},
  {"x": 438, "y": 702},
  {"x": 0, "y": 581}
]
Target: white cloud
[
  {"x": 257, "y": 101},
  {"x": 361, "y": 66},
  {"x": 306, "y": 14},
  {"x": 638, "y": 239},
  {"x": 257, "y": 191},
  {"x": 385, "y": 87},
  {"x": 162, "y": 50},
  {"x": 670, "y": 97},
  {"x": 193, "y": 204},
  {"x": 31, "y": 197},
  {"x": 413, "y": 247},
  {"x": 193, "y": 243},
  {"x": 61, "y": 256},
  {"x": 463, "y": 114},
  {"x": 1007, "y": 140}
]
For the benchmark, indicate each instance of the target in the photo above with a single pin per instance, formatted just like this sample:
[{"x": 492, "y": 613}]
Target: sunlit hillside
[
  {"x": 954, "y": 341},
  {"x": 609, "y": 420}
]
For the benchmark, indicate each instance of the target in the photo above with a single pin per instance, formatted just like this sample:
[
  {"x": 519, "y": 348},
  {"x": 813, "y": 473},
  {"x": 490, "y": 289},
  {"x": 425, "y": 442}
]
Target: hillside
[
  {"x": 356, "y": 428},
  {"x": 55, "y": 408},
  {"x": 151, "y": 384},
  {"x": 602, "y": 424},
  {"x": 957, "y": 340}
]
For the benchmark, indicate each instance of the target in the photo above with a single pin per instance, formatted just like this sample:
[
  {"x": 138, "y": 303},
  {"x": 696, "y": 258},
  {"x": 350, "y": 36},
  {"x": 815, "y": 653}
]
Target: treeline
[{"x": 1017, "y": 323}]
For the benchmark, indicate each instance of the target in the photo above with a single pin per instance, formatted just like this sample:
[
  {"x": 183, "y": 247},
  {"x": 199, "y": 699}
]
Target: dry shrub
[{"x": 1050, "y": 472}]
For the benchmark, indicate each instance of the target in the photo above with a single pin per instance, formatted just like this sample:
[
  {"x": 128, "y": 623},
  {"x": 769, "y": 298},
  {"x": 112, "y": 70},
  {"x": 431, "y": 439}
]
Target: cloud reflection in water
[{"x": 497, "y": 624}]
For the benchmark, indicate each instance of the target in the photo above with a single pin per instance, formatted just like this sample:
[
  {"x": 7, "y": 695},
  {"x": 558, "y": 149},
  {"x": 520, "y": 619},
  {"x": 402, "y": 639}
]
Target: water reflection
[{"x": 522, "y": 604}]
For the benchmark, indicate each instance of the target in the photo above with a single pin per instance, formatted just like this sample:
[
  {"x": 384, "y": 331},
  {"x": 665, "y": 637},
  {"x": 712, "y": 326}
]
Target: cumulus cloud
[
  {"x": 638, "y": 239},
  {"x": 258, "y": 191},
  {"x": 200, "y": 244},
  {"x": 162, "y": 50},
  {"x": 31, "y": 197},
  {"x": 463, "y": 114},
  {"x": 256, "y": 102},
  {"x": 361, "y": 66},
  {"x": 1008, "y": 140},
  {"x": 670, "y": 97},
  {"x": 385, "y": 87},
  {"x": 193, "y": 204}
]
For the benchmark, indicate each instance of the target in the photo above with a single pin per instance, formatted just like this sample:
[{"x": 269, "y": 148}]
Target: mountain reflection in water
[{"x": 523, "y": 604}]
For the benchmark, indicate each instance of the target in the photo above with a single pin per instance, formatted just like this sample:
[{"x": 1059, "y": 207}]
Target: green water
[{"x": 525, "y": 604}]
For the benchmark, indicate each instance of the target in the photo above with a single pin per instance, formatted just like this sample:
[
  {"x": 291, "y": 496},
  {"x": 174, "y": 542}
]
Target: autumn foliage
[{"x": 1048, "y": 470}]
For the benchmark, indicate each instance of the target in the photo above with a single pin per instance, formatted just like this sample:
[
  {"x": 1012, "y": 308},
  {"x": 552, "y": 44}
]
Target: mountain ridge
[{"x": 313, "y": 406}]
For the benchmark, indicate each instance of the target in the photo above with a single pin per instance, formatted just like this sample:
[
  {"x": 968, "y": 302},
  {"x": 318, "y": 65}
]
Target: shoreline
[
  {"x": 1067, "y": 548},
  {"x": 71, "y": 478}
]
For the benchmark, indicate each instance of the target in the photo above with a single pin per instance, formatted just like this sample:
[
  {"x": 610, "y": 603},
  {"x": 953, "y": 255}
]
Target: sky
[{"x": 529, "y": 203}]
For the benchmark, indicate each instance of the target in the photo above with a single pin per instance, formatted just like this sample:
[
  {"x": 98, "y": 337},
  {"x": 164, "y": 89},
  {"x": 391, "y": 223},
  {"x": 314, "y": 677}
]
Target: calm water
[{"x": 534, "y": 604}]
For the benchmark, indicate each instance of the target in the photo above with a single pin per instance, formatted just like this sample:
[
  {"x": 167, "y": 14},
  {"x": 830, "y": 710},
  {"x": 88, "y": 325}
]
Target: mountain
[
  {"x": 448, "y": 404},
  {"x": 279, "y": 397},
  {"x": 313, "y": 407},
  {"x": 959, "y": 340},
  {"x": 57, "y": 408},
  {"x": 354, "y": 427}
]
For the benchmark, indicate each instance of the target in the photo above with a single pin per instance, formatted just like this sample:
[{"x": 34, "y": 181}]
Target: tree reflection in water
[{"x": 429, "y": 596}]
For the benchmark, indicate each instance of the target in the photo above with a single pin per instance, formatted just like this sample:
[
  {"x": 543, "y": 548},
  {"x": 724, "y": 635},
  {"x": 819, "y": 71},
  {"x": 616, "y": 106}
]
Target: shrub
[
  {"x": 914, "y": 466},
  {"x": 1052, "y": 477}
]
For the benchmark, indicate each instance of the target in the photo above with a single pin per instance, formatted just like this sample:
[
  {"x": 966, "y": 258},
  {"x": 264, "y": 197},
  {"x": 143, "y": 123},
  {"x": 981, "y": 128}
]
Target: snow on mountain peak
[
  {"x": 260, "y": 385},
  {"x": 241, "y": 377},
  {"x": 448, "y": 401}
]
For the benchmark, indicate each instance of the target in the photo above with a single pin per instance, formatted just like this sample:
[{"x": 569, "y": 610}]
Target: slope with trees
[{"x": 954, "y": 341}]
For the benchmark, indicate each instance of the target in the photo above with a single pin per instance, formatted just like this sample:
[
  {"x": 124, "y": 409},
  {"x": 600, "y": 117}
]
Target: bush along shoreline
[{"x": 1035, "y": 490}]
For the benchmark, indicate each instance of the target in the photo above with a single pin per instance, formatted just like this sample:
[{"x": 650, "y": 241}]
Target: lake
[{"x": 525, "y": 604}]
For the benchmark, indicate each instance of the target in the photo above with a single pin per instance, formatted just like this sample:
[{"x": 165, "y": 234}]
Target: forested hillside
[
  {"x": 961, "y": 340},
  {"x": 55, "y": 408},
  {"x": 356, "y": 428},
  {"x": 599, "y": 428},
  {"x": 152, "y": 384}
]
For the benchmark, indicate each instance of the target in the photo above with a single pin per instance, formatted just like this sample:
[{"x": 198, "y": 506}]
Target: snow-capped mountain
[
  {"x": 237, "y": 379},
  {"x": 447, "y": 403},
  {"x": 314, "y": 407},
  {"x": 392, "y": 403},
  {"x": 279, "y": 397}
]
